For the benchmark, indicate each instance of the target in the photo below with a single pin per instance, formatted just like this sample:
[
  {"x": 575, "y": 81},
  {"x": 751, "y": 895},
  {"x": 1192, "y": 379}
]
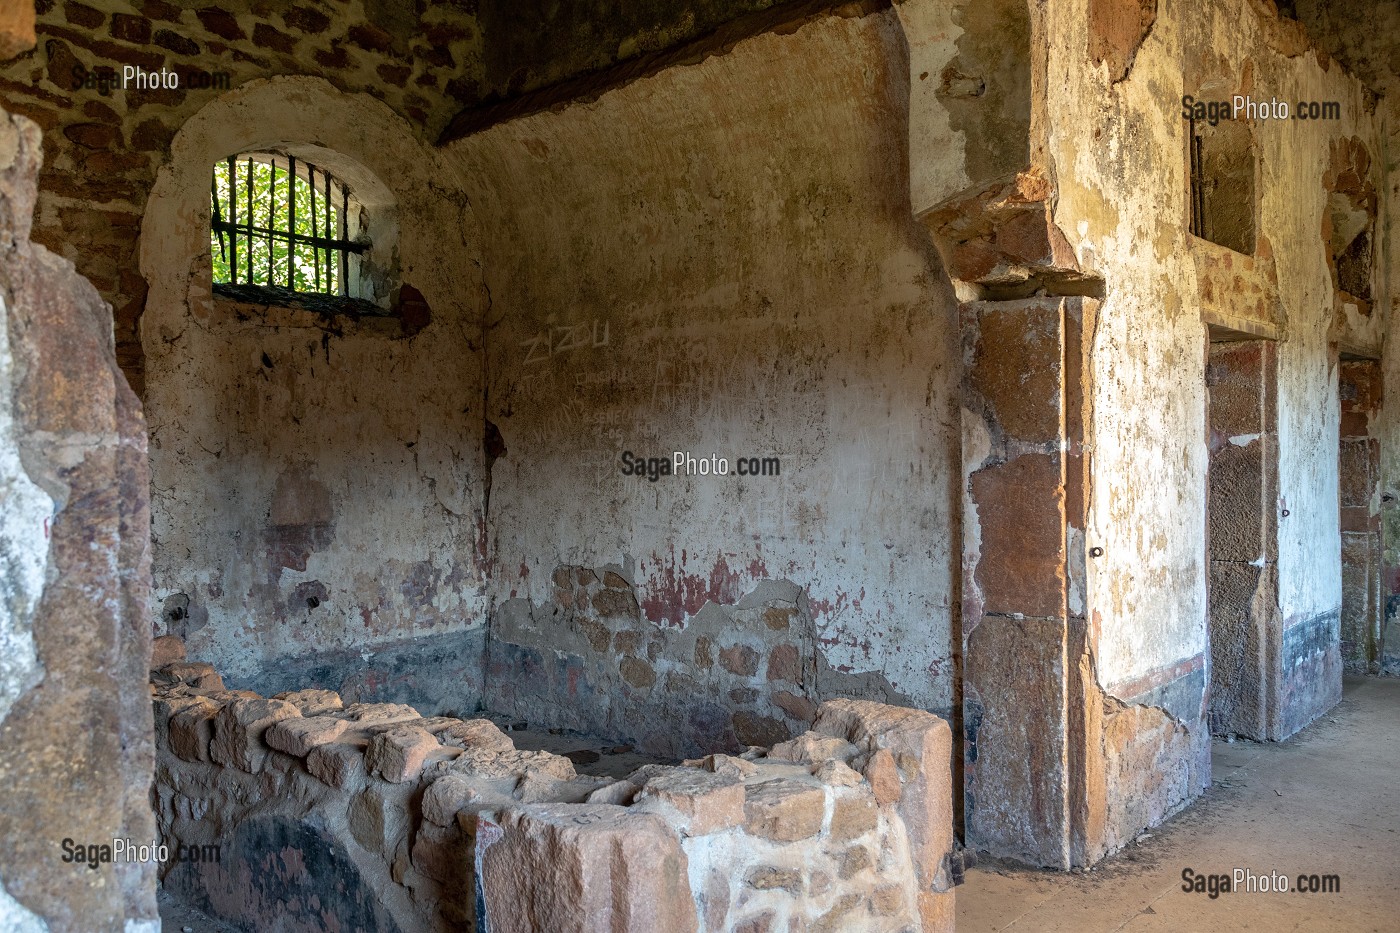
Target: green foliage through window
[{"x": 298, "y": 243}]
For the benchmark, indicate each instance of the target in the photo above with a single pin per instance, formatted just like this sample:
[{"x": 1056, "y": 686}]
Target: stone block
[
  {"x": 784, "y": 663},
  {"x": 238, "y": 731},
  {"x": 770, "y": 878},
  {"x": 800, "y": 708},
  {"x": 536, "y": 786},
  {"x": 377, "y": 821},
  {"x": 191, "y": 729},
  {"x": 618, "y": 793},
  {"x": 752, "y": 729},
  {"x": 444, "y": 854},
  {"x": 514, "y": 763},
  {"x": 365, "y": 715},
  {"x": 196, "y": 674},
  {"x": 562, "y": 867},
  {"x": 700, "y": 802},
  {"x": 339, "y": 764},
  {"x": 166, "y": 702},
  {"x": 936, "y": 910},
  {"x": 853, "y": 814},
  {"x": 398, "y": 754},
  {"x": 813, "y": 747},
  {"x": 451, "y": 794},
  {"x": 299, "y": 736},
  {"x": 478, "y": 734},
  {"x": 740, "y": 660},
  {"x": 784, "y": 811},
  {"x": 837, "y": 774},
  {"x": 921, "y": 744},
  {"x": 883, "y": 775},
  {"x": 852, "y": 862},
  {"x": 313, "y": 702},
  {"x": 167, "y": 649},
  {"x": 838, "y": 916},
  {"x": 887, "y": 899},
  {"x": 1022, "y": 565},
  {"x": 724, "y": 764}
]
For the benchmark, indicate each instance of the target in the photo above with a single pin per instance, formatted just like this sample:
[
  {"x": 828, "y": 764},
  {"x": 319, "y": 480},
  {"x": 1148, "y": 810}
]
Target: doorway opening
[
  {"x": 1242, "y": 536},
  {"x": 1359, "y": 485}
]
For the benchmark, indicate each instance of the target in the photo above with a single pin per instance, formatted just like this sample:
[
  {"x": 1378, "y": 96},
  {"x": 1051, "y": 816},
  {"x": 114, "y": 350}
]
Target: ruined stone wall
[
  {"x": 719, "y": 259},
  {"x": 302, "y": 813},
  {"x": 75, "y": 636},
  {"x": 1124, "y": 206},
  {"x": 318, "y": 478}
]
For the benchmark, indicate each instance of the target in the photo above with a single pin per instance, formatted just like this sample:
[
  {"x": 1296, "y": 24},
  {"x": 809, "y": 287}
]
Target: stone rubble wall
[{"x": 371, "y": 817}]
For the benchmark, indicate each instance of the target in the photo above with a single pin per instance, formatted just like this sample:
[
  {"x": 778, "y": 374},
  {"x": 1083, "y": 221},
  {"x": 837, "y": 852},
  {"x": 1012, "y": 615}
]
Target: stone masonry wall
[
  {"x": 304, "y": 813},
  {"x": 75, "y": 635}
]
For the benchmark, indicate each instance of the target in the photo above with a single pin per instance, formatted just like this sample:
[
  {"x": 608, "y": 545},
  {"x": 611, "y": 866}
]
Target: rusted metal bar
[
  {"x": 250, "y": 219},
  {"x": 315, "y": 252},
  {"x": 271, "y": 215},
  {"x": 349, "y": 246},
  {"x": 330, "y": 285},
  {"x": 344, "y": 255},
  {"x": 217, "y": 223},
  {"x": 232, "y": 219},
  {"x": 292, "y": 221}
]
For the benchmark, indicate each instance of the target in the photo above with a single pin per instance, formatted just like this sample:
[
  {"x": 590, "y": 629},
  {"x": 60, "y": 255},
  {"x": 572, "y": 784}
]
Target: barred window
[
  {"x": 1221, "y": 169},
  {"x": 280, "y": 222}
]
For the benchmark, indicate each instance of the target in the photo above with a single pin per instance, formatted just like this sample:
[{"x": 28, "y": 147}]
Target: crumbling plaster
[
  {"x": 1123, "y": 205},
  {"x": 1359, "y": 34},
  {"x": 721, "y": 259},
  {"x": 317, "y": 482}
]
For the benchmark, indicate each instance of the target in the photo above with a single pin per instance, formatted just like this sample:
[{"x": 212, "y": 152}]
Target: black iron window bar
[
  {"x": 1200, "y": 183},
  {"x": 328, "y": 245}
]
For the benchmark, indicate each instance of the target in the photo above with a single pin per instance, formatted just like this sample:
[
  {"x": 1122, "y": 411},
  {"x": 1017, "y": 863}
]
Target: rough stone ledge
[{"x": 847, "y": 826}]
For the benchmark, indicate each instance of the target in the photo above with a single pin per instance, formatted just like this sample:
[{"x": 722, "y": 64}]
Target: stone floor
[{"x": 1325, "y": 802}]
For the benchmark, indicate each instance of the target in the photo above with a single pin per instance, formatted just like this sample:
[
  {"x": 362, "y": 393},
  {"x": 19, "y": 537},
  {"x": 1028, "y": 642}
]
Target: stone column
[
  {"x": 75, "y": 635},
  {"x": 1029, "y": 694}
]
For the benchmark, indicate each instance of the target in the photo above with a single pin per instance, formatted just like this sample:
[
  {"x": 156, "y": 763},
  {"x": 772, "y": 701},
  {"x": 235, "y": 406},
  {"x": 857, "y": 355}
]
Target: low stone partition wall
[{"x": 296, "y": 812}]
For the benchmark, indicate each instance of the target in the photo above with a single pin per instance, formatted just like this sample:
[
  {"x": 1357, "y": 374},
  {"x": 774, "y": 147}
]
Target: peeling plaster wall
[
  {"x": 1361, "y": 34},
  {"x": 1123, "y": 204},
  {"x": 317, "y": 482},
  {"x": 721, "y": 259},
  {"x": 969, "y": 97}
]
